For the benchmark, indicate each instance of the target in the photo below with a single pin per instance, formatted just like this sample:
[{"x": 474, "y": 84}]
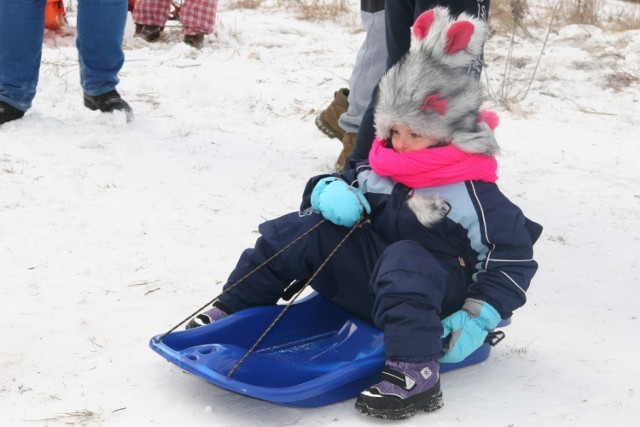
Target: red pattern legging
[{"x": 196, "y": 16}]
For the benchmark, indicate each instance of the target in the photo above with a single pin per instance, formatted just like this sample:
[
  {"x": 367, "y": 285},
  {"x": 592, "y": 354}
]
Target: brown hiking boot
[
  {"x": 195, "y": 40},
  {"x": 348, "y": 144},
  {"x": 327, "y": 120}
]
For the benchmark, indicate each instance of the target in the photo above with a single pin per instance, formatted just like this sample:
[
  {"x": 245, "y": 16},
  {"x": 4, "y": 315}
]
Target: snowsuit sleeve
[{"x": 505, "y": 269}]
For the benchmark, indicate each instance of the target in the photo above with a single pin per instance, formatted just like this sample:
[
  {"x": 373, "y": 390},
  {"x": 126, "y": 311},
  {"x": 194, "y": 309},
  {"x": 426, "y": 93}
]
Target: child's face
[{"x": 404, "y": 140}]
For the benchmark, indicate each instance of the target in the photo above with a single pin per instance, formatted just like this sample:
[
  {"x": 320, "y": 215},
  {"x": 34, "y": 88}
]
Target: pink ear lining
[
  {"x": 423, "y": 24},
  {"x": 458, "y": 36},
  {"x": 435, "y": 103}
]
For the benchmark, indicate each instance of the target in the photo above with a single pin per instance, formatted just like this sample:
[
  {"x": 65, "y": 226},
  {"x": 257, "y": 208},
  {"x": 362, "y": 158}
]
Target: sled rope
[
  {"x": 286, "y": 307},
  {"x": 242, "y": 279}
]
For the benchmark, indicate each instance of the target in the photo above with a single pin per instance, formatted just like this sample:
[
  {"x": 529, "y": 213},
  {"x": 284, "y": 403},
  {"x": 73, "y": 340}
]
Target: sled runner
[{"x": 316, "y": 355}]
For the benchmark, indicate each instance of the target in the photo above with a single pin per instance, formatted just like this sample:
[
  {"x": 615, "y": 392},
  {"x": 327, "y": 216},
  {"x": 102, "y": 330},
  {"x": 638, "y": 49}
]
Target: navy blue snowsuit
[{"x": 393, "y": 270}]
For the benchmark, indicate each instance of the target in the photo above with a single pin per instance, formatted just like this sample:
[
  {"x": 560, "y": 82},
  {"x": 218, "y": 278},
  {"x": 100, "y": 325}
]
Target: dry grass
[
  {"x": 318, "y": 10},
  {"x": 503, "y": 15},
  {"x": 310, "y": 10},
  {"x": 518, "y": 18},
  {"x": 246, "y": 4},
  {"x": 514, "y": 18},
  {"x": 581, "y": 12},
  {"x": 620, "y": 79}
]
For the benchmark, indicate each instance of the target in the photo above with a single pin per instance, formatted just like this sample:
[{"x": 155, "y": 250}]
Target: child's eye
[{"x": 394, "y": 131}]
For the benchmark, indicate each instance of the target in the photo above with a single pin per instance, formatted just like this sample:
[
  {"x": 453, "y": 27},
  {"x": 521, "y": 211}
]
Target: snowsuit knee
[{"x": 344, "y": 280}]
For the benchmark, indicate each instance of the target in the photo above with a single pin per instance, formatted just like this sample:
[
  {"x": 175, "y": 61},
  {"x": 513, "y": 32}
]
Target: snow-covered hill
[{"x": 112, "y": 232}]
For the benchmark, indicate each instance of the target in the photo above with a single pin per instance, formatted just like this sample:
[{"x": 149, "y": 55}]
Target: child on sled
[{"x": 442, "y": 253}]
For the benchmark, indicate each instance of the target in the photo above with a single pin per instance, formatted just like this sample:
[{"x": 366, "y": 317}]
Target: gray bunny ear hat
[{"x": 430, "y": 89}]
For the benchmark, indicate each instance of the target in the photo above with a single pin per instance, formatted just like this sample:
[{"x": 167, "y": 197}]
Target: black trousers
[{"x": 399, "y": 18}]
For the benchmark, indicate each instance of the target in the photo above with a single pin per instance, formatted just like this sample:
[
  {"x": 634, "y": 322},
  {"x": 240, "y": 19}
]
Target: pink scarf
[{"x": 431, "y": 167}]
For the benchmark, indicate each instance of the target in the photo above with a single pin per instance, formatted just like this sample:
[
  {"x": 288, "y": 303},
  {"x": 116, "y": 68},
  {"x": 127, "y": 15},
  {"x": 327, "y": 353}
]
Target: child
[{"x": 442, "y": 241}]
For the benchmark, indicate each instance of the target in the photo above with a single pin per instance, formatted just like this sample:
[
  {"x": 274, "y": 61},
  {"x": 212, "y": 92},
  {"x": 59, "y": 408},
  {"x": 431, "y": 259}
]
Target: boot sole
[
  {"x": 407, "y": 410},
  {"x": 326, "y": 129}
]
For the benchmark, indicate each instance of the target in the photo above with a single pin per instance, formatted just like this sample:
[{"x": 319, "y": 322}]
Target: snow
[{"x": 111, "y": 233}]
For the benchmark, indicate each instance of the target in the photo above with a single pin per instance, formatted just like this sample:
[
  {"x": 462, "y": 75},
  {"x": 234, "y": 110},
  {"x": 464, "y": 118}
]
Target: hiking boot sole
[
  {"x": 326, "y": 129},
  {"x": 399, "y": 409}
]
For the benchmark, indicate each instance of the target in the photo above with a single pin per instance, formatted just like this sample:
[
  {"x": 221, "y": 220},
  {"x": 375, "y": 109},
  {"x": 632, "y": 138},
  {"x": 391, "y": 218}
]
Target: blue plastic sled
[{"x": 317, "y": 354}]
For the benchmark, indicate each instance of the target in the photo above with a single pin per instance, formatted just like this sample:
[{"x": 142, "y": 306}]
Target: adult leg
[
  {"x": 100, "y": 33},
  {"x": 341, "y": 119},
  {"x": 343, "y": 280},
  {"x": 150, "y": 17},
  {"x": 399, "y": 17},
  {"x": 151, "y": 12},
  {"x": 198, "y": 16},
  {"x": 21, "y": 33},
  {"x": 369, "y": 67}
]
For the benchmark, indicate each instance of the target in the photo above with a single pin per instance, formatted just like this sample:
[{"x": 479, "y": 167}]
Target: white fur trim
[
  {"x": 480, "y": 141},
  {"x": 428, "y": 209}
]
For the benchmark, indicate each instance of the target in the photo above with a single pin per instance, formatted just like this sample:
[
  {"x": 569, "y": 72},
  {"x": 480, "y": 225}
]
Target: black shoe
[
  {"x": 108, "y": 103},
  {"x": 150, "y": 33},
  {"x": 9, "y": 113}
]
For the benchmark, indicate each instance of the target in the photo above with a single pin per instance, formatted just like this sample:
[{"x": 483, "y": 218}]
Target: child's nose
[{"x": 404, "y": 140}]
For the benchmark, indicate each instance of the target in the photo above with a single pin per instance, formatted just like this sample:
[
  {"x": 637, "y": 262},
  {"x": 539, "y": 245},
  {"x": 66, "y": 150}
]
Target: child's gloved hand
[
  {"x": 468, "y": 328},
  {"x": 338, "y": 202}
]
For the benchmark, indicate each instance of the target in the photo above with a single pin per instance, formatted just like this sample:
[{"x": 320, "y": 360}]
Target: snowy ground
[{"x": 111, "y": 232}]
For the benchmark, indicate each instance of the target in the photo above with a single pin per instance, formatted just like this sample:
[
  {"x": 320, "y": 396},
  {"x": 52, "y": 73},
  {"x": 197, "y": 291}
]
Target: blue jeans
[{"x": 100, "y": 32}]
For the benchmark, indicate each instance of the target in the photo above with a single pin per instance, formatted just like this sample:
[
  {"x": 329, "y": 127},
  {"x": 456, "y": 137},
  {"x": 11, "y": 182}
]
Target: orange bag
[{"x": 54, "y": 16}]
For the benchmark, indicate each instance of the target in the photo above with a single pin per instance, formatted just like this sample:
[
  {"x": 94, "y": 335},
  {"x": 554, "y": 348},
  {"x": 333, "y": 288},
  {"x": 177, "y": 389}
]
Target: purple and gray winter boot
[
  {"x": 405, "y": 389},
  {"x": 216, "y": 313}
]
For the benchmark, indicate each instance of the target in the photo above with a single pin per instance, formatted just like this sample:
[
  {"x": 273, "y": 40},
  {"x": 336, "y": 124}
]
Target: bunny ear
[
  {"x": 489, "y": 117},
  {"x": 423, "y": 24},
  {"x": 458, "y": 36}
]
